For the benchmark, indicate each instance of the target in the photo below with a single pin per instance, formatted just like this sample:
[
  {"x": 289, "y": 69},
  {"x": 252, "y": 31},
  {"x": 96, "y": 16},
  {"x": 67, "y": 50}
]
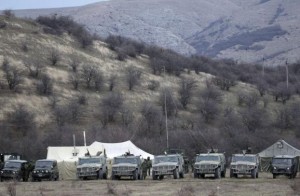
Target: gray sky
[{"x": 31, "y": 4}]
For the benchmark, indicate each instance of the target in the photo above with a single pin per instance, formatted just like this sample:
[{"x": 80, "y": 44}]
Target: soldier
[
  {"x": 144, "y": 169},
  {"x": 149, "y": 165},
  {"x": 1, "y": 165}
]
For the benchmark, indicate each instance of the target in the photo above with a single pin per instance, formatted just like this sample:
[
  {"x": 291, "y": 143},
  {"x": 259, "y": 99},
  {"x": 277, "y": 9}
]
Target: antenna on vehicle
[
  {"x": 75, "y": 152},
  {"x": 84, "y": 139}
]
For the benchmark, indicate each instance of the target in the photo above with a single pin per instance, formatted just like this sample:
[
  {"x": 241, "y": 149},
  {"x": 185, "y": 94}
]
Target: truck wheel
[
  {"x": 223, "y": 173},
  {"x": 113, "y": 177},
  {"x": 196, "y": 175},
  {"x": 231, "y": 173},
  {"x": 135, "y": 175},
  {"x": 218, "y": 173},
  {"x": 176, "y": 173},
  {"x": 181, "y": 175},
  {"x": 253, "y": 173},
  {"x": 274, "y": 176},
  {"x": 256, "y": 174}
]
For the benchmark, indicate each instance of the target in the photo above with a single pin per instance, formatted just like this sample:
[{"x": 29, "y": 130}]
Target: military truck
[
  {"x": 244, "y": 164},
  {"x": 45, "y": 169},
  {"x": 186, "y": 161},
  {"x": 285, "y": 165},
  {"x": 127, "y": 165},
  {"x": 14, "y": 170},
  {"x": 211, "y": 163},
  {"x": 92, "y": 167},
  {"x": 168, "y": 164}
]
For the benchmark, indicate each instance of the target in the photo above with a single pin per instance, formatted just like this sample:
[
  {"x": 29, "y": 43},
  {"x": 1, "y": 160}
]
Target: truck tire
[
  {"x": 253, "y": 174},
  {"x": 176, "y": 173},
  {"x": 181, "y": 175},
  {"x": 196, "y": 175},
  {"x": 135, "y": 175},
  {"x": 218, "y": 173},
  {"x": 274, "y": 176},
  {"x": 231, "y": 173},
  {"x": 223, "y": 173}
]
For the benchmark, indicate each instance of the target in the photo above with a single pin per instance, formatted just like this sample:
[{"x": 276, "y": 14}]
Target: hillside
[
  {"x": 43, "y": 104},
  {"x": 260, "y": 31}
]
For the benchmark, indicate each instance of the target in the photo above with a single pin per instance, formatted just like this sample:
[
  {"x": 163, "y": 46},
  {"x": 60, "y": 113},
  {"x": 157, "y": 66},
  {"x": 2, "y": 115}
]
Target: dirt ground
[{"x": 265, "y": 185}]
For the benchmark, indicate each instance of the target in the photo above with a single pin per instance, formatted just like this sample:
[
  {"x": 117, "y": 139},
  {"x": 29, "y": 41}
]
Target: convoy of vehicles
[
  {"x": 127, "y": 165},
  {"x": 285, "y": 165},
  {"x": 45, "y": 169},
  {"x": 211, "y": 163},
  {"x": 92, "y": 167},
  {"x": 244, "y": 164},
  {"x": 169, "y": 164}
]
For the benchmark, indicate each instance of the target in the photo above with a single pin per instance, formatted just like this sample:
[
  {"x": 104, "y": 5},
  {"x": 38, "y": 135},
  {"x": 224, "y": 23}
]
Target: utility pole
[{"x": 166, "y": 114}]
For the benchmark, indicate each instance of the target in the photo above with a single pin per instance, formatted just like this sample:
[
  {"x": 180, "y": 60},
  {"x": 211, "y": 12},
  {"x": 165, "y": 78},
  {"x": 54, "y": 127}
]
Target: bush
[
  {"x": 54, "y": 56},
  {"x": 110, "y": 105},
  {"x": 185, "y": 91},
  {"x": 133, "y": 76},
  {"x": 13, "y": 76},
  {"x": 45, "y": 85},
  {"x": 153, "y": 85}
]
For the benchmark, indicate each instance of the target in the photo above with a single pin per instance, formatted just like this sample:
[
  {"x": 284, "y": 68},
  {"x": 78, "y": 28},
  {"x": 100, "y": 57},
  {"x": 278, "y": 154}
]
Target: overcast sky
[{"x": 31, "y": 4}]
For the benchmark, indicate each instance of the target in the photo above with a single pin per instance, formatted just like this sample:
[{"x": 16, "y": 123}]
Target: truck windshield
[
  {"x": 43, "y": 164},
  {"x": 89, "y": 160},
  {"x": 207, "y": 158},
  {"x": 282, "y": 161},
  {"x": 165, "y": 159},
  {"x": 243, "y": 158},
  {"x": 132, "y": 160},
  {"x": 11, "y": 164}
]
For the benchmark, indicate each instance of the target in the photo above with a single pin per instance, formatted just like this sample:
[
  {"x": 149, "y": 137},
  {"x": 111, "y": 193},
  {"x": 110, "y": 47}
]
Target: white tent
[
  {"x": 118, "y": 149},
  {"x": 280, "y": 147},
  {"x": 67, "y": 156}
]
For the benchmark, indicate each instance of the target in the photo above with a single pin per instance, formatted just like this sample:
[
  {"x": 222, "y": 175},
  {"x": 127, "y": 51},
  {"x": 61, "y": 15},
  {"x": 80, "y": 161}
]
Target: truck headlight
[
  {"x": 288, "y": 168},
  {"x": 274, "y": 167},
  {"x": 46, "y": 171}
]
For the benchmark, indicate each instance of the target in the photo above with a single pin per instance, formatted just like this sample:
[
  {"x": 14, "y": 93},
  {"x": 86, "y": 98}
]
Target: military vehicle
[
  {"x": 45, "y": 169},
  {"x": 244, "y": 164},
  {"x": 92, "y": 167},
  {"x": 186, "y": 160},
  {"x": 14, "y": 170},
  {"x": 285, "y": 165},
  {"x": 127, "y": 165},
  {"x": 211, "y": 163},
  {"x": 168, "y": 164}
]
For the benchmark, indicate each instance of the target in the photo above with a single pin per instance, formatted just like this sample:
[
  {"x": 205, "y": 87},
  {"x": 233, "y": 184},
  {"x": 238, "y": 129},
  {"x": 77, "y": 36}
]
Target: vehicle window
[
  {"x": 90, "y": 160},
  {"x": 10, "y": 164},
  {"x": 165, "y": 159},
  {"x": 43, "y": 164},
  {"x": 207, "y": 158},
  {"x": 243, "y": 158},
  {"x": 282, "y": 161},
  {"x": 132, "y": 160}
]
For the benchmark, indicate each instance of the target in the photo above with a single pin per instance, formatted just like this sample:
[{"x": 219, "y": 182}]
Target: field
[{"x": 265, "y": 185}]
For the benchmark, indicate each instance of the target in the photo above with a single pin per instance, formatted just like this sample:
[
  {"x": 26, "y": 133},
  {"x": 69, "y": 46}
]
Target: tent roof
[
  {"x": 118, "y": 149},
  {"x": 65, "y": 153},
  {"x": 280, "y": 147}
]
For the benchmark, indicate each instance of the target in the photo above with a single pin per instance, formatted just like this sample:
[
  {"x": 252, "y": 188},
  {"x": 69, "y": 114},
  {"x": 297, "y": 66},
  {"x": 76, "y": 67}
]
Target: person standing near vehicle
[
  {"x": 144, "y": 169},
  {"x": 149, "y": 165}
]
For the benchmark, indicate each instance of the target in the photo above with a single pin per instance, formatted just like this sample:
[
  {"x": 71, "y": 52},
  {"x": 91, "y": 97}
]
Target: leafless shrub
[
  {"x": 210, "y": 93},
  {"x": 88, "y": 74},
  {"x": 110, "y": 105},
  {"x": 209, "y": 109},
  {"x": 111, "y": 189},
  {"x": 82, "y": 99},
  {"x": 186, "y": 191},
  {"x": 253, "y": 118},
  {"x": 153, "y": 85},
  {"x": 157, "y": 65},
  {"x": 24, "y": 46},
  {"x": 45, "y": 85},
  {"x": 74, "y": 110},
  {"x": 35, "y": 68},
  {"x": 127, "y": 116},
  {"x": 61, "y": 115},
  {"x": 74, "y": 63},
  {"x": 112, "y": 82},
  {"x": 74, "y": 79},
  {"x": 3, "y": 24},
  {"x": 13, "y": 76},
  {"x": 248, "y": 99},
  {"x": 98, "y": 80},
  {"x": 224, "y": 82},
  {"x": 11, "y": 189},
  {"x": 54, "y": 56},
  {"x": 151, "y": 118},
  {"x": 185, "y": 91},
  {"x": 281, "y": 92},
  {"x": 53, "y": 101},
  {"x": 133, "y": 76}
]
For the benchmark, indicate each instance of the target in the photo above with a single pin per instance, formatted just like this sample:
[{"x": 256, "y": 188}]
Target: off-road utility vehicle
[
  {"x": 92, "y": 167},
  {"x": 211, "y": 163},
  {"x": 285, "y": 165},
  {"x": 14, "y": 170},
  {"x": 45, "y": 169},
  {"x": 244, "y": 164},
  {"x": 169, "y": 164},
  {"x": 127, "y": 165}
]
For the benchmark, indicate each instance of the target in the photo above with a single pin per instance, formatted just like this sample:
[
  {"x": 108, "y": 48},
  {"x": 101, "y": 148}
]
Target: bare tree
[
  {"x": 253, "y": 118},
  {"x": 249, "y": 99},
  {"x": 133, "y": 76},
  {"x": 185, "y": 91},
  {"x": 262, "y": 86},
  {"x": 112, "y": 82},
  {"x": 110, "y": 105},
  {"x": 74, "y": 79},
  {"x": 88, "y": 74},
  {"x": 54, "y": 56},
  {"x": 45, "y": 85},
  {"x": 98, "y": 80},
  {"x": 209, "y": 109},
  {"x": 12, "y": 75},
  {"x": 151, "y": 118},
  {"x": 74, "y": 63},
  {"x": 210, "y": 93},
  {"x": 34, "y": 67},
  {"x": 281, "y": 92}
]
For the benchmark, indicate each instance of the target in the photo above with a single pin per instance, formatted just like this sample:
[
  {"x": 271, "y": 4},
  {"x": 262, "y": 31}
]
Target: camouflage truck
[
  {"x": 92, "y": 167},
  {"x": 127, "y": 166},
  {"x": 211, "y": 163},
  {"x": 14, "y": 170},
  {"x": 45, "y": 169},
  {"x": 244, "y": 164},
  {"x": 284, "y": 165},
  {"x": 169, "y": 164},
  {"x": 186, "y": 161}
]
